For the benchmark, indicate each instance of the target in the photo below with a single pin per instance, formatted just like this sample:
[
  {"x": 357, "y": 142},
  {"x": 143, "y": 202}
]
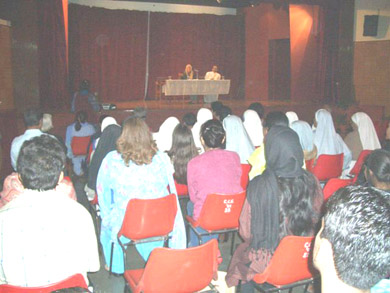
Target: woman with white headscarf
[
  {"x": 292, "y": 116},
  {"x": 203, "y": 115},
  {"x": 326, "y": 139},
  {"x": 163, "y": 137},
  {"x": 253, "y": 127},
  {"x": 237, "y": 139},
  {"x": 305, "y": 134},
  {"x": 363, "y": 136}
]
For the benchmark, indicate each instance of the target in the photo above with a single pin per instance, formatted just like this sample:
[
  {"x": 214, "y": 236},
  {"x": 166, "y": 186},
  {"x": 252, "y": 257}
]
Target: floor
[{"x": 103, "y": 282}]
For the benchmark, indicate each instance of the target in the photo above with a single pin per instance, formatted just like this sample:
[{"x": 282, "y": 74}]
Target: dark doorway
[{"x": 279, "y": 69}]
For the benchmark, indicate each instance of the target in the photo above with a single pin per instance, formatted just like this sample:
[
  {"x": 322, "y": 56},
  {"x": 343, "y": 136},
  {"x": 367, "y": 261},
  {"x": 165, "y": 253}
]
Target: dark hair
[
  {"x": 213, "y": 133},
  {"x": 81, "y": 117},
  {"x": 258, "y": 107},
  {"x": 275, "y": 118},
  {"x": 140, "y": 112},
  {"x": 296, "y": 198},
  {"x": 182, "y": 151},
  {"x": 216, "y": 106},
  {"x": 379, "y": 163},
  {"x": 32, "y": 117},
  {"x": 84, "y": 84},
  {"x": 40, "y": 163},
  {"x": 189, "y": 119},
  {"x": 357, "y": 224},
  {"x": 224, "y": 112}
]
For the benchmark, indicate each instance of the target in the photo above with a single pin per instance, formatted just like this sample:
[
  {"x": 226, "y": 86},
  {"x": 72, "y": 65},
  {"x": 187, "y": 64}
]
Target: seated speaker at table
[{"x": 212, "y": 75}]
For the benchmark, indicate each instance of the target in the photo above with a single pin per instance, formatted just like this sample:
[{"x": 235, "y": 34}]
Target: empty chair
[
  {"x": 333, "y": 185},
  {"x": 147, "y": 220},
  {"x": 328, "y": 166},
  {"x": 73, "y": 281},
  {"x": 289, "y": 266},
  {"x": 220, "y": 214},
  {"x": 176, "y": 270}
]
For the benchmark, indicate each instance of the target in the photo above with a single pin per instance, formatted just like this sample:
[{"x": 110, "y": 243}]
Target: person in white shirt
[
  {"x": 45, "y": 236},
  {"x": 33, "y": 122},
  {"x": 212, "y": 75}
]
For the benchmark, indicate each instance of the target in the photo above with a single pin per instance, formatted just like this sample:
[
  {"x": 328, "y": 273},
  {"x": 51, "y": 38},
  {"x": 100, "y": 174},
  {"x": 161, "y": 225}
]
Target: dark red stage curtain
[
  {"x": 52, "y": 56},
  {"x": 177, "y": 39},
  {"x": 108, "y": 47}
]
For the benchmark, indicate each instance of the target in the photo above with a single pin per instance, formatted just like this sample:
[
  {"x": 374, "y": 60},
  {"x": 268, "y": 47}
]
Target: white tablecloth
[{"x": 179, "y": 87}]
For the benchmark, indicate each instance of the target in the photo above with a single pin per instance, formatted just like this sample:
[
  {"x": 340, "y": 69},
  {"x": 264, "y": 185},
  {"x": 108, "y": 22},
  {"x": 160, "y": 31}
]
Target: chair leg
[
  {"x": 232, "y": 247},
  {"x": 111, "y": 257}
]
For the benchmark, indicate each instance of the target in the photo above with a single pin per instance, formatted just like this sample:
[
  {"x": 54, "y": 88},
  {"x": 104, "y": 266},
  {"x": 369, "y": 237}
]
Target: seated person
[
  {"x": 45, "y": 237},
  {"x": 377, "y": 170},
  {"x": 352, "y": 249},
  {"x": 189, "y": 119},
  {"x": 284, "y": 200},
  {"x": 80, "y": 128},
  {"x": 254, "y": 127},
  {"x": 136, "y": 169},
  {"x": 215, "y": 108},
  {"x": 305, "y": 133},
  {"x": 33, "y": 122},
  {"x": 258, "y": 108},
  {"x": 215, "y": 171}
]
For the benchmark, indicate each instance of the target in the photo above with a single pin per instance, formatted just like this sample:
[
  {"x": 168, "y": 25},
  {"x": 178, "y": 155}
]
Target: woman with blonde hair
[{"x": 136, "y": 169}]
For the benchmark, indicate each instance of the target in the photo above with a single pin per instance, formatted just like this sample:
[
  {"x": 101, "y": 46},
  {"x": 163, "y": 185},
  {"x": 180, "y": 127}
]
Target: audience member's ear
[
  {"x": 61, "y": 177},
  {"x": 322, "y": 253}
]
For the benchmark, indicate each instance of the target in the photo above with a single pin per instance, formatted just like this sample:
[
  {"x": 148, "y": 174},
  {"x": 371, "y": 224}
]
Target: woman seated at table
[
  {"x": 214, "y": 171},
  {"x": 135, "y": 170},
  {"x": 284, "y": 200}
]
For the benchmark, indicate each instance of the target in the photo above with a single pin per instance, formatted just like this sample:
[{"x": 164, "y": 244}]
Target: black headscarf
[
  {"x": 284, "y": 158},
  {"x": 107, "y": 143}
]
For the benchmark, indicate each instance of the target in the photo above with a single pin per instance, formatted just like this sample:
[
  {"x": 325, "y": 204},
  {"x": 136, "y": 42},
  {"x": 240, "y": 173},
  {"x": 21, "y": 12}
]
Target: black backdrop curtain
[
  {"x": 108, "y": 47},
  {"x": 52, "y": 56}
]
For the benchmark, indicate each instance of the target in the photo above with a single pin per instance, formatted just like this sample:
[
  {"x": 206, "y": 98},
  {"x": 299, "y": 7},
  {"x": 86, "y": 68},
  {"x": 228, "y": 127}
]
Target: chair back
[
  {"x": 328, "y": 166},
  {"x": 333, "y": 185},
  {"x": 246, "y": 168},
  {"x": 221, "y": 211},
  {"x": 180, "y": 270},
  {"x": 73, "y": 281},
  {"x": 80, "y": 144},
  {"x": 290, "y": 262},
  {"x": 181, "y": 189},
  {"x": 145, "y": 218},
  {"x": 359, "y": 162}
]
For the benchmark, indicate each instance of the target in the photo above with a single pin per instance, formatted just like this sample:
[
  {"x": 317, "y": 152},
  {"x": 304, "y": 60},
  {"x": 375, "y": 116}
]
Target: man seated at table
[{"x": 212, "y": 75}]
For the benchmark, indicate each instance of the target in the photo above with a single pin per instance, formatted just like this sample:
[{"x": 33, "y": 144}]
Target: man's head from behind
[
  {"x": 354, "y": 242},
  {"x": 41, "y": 162},
  {"x": 32, "y": 118}
]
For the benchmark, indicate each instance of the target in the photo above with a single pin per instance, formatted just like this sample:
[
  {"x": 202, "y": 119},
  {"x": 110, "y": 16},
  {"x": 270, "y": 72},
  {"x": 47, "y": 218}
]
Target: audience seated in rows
[
  {"x": 352, "y": 249},
  {"x": 45, "y": 236},
  {"x": 137, "y": 169},
  {"x": 237, "y": 139},
  {"x": 79, "y": 128},
  {"x": 363, "y": 136},
  {"x": 215, "y": 171},
  {"x": 284, "y": 200},
  {"x": 326, "y": 139},
  {"x": 163, "y": 137},
  {"x": 253, "y": 127},
  {"x": 182, "y": 151},
  {"x": 306, "y": 137},
  {"x": 33, "y": 122}
]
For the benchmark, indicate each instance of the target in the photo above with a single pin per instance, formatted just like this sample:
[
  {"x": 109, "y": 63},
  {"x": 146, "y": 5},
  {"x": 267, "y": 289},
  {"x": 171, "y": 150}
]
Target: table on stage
[{"x": 180, "y": 87}]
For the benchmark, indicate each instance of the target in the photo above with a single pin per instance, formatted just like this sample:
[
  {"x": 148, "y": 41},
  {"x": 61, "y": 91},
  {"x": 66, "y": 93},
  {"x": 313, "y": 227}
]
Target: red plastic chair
[
  {"x": 79, "y": 145},
  {"x": 359, "y": 162},
  {"x": 147, "y": 220},
  {"x": 246, "y": 168},
  {"x": 328, "y": 166},
  {"x": 182, "y": 190},
  {"x": 71, "y": 282},
  {"x": 219, "y": 215},
  {"x": 289, "y": 267},
  {"x": 333, "y": 185},
  {"x": 176, "y": 270}
]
